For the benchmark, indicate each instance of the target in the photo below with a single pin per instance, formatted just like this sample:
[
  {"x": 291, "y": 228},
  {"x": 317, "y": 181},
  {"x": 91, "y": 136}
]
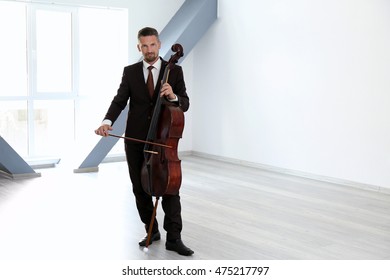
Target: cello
[{"x": 161, "y": 170}]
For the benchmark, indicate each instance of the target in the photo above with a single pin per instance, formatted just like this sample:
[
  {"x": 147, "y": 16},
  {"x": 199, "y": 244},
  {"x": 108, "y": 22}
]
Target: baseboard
[
  {"x": 294, "y": 172},
  {"x": 122, "y": 157}
]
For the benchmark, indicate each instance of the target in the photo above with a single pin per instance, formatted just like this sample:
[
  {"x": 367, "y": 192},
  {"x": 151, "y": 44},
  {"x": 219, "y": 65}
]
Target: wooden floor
[{"x": 229, "y": 212}]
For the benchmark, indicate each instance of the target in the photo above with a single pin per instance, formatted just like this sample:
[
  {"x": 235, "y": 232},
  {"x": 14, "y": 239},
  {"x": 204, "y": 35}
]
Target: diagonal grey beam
[
  {"x": 12, "y": 164},
  {"x": 186, "y": 27},
  {"x": 104, "y": 146}
]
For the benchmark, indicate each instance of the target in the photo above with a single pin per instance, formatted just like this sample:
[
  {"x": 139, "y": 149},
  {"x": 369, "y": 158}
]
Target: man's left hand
[{"x": 166, "y": 90}]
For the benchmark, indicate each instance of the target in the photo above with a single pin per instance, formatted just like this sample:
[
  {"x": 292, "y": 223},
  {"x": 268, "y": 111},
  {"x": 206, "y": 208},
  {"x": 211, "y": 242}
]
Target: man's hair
[{"x": 148, "y": 31}]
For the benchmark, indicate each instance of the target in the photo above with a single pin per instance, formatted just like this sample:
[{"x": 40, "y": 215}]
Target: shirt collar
[{"x": 156, "y": 65}]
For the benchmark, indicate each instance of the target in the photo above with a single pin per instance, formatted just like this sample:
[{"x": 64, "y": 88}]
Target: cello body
[{"x": 161, "y": 170}]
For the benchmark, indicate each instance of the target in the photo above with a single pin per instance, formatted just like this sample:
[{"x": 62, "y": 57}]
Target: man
[{"x": 134, "y": 89}]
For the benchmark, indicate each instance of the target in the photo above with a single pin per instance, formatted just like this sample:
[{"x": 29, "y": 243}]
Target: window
[
  {"x": 61, "y": 66},
  {"x": 13, "y": 56},
  {"x": 53, "y": 51}
]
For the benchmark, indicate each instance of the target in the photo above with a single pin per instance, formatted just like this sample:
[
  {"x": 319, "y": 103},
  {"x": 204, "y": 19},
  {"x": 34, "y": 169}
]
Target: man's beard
[{"x": 150, "y": 57}]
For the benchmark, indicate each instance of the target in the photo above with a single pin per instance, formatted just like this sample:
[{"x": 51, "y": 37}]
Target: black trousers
[{"x": 170, "y": 203}]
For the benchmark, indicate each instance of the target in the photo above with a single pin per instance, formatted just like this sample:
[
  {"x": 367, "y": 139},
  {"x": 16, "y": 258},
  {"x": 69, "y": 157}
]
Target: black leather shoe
[
  {"x": 155, "y": 236},
  {"x": 179, "y": 247}
]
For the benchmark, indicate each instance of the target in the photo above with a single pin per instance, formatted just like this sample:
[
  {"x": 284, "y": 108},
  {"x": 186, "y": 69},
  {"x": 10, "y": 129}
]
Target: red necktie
[{"x": 149, "y": 81}]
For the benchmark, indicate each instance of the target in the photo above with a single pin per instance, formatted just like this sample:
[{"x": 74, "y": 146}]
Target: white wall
[{"x": 301, "y": 85}]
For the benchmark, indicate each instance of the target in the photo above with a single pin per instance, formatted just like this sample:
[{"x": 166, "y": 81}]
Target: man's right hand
[{"x": 103, "y": 130}]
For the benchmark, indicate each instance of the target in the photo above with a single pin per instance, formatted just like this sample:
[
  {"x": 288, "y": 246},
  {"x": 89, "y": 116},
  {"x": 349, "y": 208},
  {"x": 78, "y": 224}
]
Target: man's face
[{"x": 149, "y": 46}]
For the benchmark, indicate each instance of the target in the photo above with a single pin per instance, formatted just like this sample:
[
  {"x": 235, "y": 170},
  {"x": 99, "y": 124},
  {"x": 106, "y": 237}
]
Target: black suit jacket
[{"x": 133, "y": 89}]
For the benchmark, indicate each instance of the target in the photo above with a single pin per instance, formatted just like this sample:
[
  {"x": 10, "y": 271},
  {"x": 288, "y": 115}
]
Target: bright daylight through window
[{"x": 55, "y": 61}]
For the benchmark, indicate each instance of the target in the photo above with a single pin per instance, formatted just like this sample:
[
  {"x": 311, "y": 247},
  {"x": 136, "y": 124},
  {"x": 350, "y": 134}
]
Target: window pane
[
  {"x": 13, "y": 66},
  {"x": 54, "y": 51},
  {"x": 53, "y": 127},
  {"x": 13, "y": 125},
  {"x": 103, "y": 40}
]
